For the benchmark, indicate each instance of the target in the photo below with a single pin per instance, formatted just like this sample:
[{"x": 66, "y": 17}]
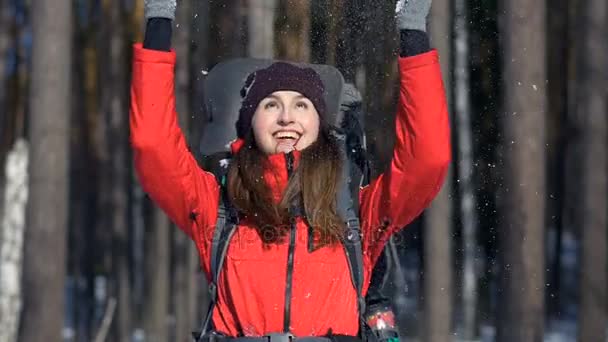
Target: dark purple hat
[{"x": 276, "y": 77}]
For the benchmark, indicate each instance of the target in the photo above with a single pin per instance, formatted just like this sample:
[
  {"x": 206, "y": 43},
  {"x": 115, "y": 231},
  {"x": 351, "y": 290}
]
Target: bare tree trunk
[
  {"x": 260, "y": 20},
  {"x": 181, "y": 43},
  {"x": 198, "y": 62},
  {"x": 185, "y": 280},
  {"x": 156, "y": 283},
  {"x": 184, "y": 284},
  {"x": 292, "y": 27},
  {"x": 155, "y": 313},
  {"x": 557, "y": 93},
  {"x": 592, "y": 107},
  {"x": 84, "y": 166},
  {"x": 351, "y": 42},
  {"x": 465, "y": 169},
  {"x": 138, "y": 224},
  {"x": 12, "y": 227},
  {"x": 12, "y": 118},
  {"x": 5, "y": 38},
  {"x": 114, "y": 104},
  {"x": 45, "y": 235},
  {"x": 522, "y": 199},
  {"x": 380, "y": 37},
  {"x": 438, "y": 282},
  {"x": 91, "y": 144},
  {"x": 157, "y": 242},
  {"x": 336, "y": 9},
  {"x": 226, "y": 32}
]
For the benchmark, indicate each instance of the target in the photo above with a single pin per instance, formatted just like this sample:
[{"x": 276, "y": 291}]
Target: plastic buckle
[
  {"x": 352, "y": 223},
  {"x": 280, "y": 337},
  {"x": 353, "y": 231}
]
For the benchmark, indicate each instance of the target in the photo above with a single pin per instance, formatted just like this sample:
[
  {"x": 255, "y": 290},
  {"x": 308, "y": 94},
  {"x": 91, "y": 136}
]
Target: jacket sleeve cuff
[
  {"x": 140, "y": 54},
  {"x": 423, "y": 59},
  {"x": 413, "y": 42}
]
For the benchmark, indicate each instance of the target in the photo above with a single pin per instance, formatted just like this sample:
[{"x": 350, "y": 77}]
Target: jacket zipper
[{"x": 290, "y": 256}]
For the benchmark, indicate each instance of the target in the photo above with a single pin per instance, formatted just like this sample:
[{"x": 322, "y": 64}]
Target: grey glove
[
  {"x": 160, "y": 9},
  {"x": 411, "y": 14}
]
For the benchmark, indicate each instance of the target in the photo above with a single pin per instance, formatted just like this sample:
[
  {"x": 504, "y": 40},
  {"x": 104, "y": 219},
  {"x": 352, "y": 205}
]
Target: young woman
[{"x": 285, "y": 157}]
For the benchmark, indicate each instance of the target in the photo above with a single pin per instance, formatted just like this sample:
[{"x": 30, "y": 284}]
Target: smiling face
[{"x": 285, "y": 121}]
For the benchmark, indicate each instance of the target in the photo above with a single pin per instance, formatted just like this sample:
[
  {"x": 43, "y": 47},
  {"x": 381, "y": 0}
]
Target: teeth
[{"x": 287, "y": 135}]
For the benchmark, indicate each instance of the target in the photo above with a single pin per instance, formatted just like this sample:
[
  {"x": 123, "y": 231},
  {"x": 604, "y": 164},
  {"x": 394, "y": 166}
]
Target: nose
[{"x": 286, "y": 117}]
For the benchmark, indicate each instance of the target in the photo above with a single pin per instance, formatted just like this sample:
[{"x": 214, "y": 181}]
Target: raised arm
[
  {"x": 422, "y": 145},
  {"x": 165, "y": 167}
]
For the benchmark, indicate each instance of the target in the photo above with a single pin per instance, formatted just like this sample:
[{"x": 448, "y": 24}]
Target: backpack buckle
[
  {"x": 353, "y": 231},
  {"x": 352, "y": 223}
]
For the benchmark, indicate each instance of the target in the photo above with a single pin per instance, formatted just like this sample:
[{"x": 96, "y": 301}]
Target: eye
[
  {"x": 271, "y": 105},
  {"x": 302, "y": 105}
]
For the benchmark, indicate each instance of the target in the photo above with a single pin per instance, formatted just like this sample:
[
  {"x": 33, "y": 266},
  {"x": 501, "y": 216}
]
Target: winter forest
[{"x": 514, "y": 248}]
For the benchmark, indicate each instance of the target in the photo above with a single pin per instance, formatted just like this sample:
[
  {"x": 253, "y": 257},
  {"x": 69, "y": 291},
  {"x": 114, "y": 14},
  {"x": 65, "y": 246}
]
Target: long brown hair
[{"x": 314, "y": 185}]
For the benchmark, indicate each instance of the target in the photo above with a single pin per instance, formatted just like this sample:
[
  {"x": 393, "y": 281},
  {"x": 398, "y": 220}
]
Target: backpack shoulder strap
[
  {"x": 347, "y": 209},
  {"x": 227, "y": 220}
]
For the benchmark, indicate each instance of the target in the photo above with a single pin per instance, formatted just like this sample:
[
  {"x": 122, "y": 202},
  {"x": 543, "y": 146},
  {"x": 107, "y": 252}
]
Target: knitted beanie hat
[{"x": 276, "y": 77}]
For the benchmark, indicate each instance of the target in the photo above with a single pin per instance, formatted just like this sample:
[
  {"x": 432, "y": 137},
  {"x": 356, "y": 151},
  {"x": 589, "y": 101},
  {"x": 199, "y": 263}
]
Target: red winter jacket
[{"x": 251, "y": 294}]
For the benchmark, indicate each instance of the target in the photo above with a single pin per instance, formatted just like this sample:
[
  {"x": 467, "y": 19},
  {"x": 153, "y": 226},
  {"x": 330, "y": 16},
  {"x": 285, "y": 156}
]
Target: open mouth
[
  {"x": 286, "y": 140},
  {"x": 287, "y": 136}
]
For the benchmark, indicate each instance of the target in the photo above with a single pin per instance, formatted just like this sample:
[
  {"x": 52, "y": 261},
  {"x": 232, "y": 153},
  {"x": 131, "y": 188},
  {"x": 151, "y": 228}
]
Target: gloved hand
[
  {"x": 160, "y": 9},
  {"x": 411, "y": 14}
]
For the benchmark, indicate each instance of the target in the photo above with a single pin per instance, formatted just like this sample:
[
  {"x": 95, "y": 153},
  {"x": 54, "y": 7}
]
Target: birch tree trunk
[{"x": 12, "y": 229}]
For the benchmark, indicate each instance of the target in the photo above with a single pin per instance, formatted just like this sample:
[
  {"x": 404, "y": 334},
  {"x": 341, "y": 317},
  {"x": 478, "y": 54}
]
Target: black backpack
[{"x": 222, "y": 100}]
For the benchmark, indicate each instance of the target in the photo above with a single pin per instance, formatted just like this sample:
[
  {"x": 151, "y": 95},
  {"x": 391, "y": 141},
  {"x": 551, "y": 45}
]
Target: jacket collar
[{"x": 275, "y": 173}]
